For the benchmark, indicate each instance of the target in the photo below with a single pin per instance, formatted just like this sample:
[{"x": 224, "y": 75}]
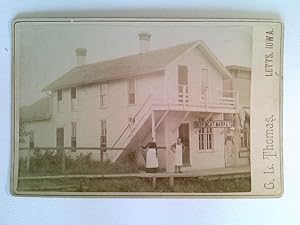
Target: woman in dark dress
[{"x": 151, "y": 156}]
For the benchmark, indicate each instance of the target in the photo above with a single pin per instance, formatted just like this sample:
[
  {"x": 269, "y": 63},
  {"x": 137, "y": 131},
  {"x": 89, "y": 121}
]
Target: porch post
[
  {"x": 167, "y": 144},
  {"x": 153, "y": 125}
]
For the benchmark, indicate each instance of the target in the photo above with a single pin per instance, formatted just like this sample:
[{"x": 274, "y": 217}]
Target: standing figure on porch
[
  {"x": 178, "y": 148},
  {"x": 151, "y": 156},
  {"x": 229, "y": 148}
]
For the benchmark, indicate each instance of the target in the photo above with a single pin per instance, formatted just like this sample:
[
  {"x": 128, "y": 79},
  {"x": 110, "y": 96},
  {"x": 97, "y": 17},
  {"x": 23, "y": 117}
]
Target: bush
[{"x": 50, "y": 163}]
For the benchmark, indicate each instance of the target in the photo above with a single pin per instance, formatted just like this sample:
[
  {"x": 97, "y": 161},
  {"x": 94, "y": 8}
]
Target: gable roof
[
  {"x": 137, "y": 64},
  {"x": 40, "y": 110}
]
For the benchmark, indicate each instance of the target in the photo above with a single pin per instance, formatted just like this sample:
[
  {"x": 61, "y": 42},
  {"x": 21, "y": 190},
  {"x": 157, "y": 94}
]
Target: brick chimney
[
  {"x": 144, "y": 39},
  {"x": 80, "y": 56}
]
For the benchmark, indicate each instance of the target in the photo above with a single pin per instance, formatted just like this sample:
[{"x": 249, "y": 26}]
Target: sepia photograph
[{"x": 132, "y": 108}]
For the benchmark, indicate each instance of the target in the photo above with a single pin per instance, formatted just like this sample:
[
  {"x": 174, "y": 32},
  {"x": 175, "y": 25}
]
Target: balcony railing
[{"x": 198, "y": 96}]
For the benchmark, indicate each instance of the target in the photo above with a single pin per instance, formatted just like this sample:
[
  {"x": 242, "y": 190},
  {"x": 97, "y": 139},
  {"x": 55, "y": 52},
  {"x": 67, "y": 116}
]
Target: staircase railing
[{"x": 135, "y": 121}]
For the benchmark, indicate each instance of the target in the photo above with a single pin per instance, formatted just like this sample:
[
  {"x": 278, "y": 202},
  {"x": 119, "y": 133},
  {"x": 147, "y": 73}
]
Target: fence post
[
  {"x": 28, "y": 159},
  {"x": 101, "y": 160},
  {"x": 31, "y": 147}
]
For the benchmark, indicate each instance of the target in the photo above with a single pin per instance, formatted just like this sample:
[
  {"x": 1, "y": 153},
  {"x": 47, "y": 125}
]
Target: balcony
[{"x": 198, "y": 98}]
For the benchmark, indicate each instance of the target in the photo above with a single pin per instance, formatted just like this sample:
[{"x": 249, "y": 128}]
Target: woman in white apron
[
  {"x": 178, "y": 148},
  {"x": 151, "y": 156}
]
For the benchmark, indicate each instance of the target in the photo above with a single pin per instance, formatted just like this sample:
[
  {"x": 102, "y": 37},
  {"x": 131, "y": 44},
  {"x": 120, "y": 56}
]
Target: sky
[{"x": 45, "y": 51}]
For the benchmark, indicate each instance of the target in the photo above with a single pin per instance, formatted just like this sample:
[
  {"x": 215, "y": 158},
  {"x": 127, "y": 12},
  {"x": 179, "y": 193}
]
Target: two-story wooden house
[{"x": 124, "y": 102}]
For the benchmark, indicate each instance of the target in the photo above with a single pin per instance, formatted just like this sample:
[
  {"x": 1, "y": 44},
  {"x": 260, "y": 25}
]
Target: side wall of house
[{"x": 89, "y": 114}]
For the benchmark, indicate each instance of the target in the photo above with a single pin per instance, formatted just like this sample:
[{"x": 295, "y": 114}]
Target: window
[
  {"x": 59, "y": 100},
  {"x": 73, "y": 136},
  {"x": 103, "y": 94},
  {"x": 131, "y": 92},
  {"x": 103, "y": 134},
  {"x": 31, "y": 140},
  {"x": 59, "y": 95},
  {"x": 206, "y": 139},
  {"x": 73, "y": 93},
  {"x": 73, "y": 98}
]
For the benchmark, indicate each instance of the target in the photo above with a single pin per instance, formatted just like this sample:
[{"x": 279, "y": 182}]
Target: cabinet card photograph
[{"x": 147, "y": 107}]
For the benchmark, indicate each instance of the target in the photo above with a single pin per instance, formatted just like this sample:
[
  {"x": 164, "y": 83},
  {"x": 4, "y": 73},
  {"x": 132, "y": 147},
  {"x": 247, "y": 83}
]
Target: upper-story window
[
  {"x": 131, "y": 92},
  {"x": 73, "y": 98},
  {"x": 59, "y": 100},
  {"x": 103, "y": 94},
  {"x": 59, "y": 95}
]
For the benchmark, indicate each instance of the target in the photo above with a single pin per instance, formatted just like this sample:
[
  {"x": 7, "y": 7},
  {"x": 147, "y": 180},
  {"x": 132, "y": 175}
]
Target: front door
[
  {"x": 183, "y": 90},
  {"x": 60, "y": 137},
  {"x": 184, "y": 134},
  {"x": 60, "y": 146}
]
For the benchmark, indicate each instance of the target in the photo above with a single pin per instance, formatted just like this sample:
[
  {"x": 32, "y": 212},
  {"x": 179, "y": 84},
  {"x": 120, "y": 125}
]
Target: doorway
[
  {"x": 183, "y": 89},
  {"x": 184, "y": 134},
  {"x": 60, "y": 137}
]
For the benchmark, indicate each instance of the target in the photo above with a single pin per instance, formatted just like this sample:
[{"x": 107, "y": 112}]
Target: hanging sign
[{"x": 213, "y": 124}]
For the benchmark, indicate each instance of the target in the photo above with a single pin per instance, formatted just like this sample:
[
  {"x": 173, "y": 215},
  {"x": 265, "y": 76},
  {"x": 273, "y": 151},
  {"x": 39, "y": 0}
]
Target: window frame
[
  {"x": 73, "y": 88},
  {"x": 62, "y": 95},
  {"x": 206, "y": 139},
  {"x": 103, "y": 94},
  {"x": 60, "y": 101},
  {"x": 129, "y": 93}
]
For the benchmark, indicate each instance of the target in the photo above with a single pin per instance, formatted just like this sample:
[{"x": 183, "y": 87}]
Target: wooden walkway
[
  {"x": 244, "y": 170},
  {"x": 212, "y": 174}
]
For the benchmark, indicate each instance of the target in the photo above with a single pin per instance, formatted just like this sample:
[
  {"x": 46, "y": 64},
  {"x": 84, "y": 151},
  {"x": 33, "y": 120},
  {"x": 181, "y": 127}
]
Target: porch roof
[{"x": 40, "y": 110}]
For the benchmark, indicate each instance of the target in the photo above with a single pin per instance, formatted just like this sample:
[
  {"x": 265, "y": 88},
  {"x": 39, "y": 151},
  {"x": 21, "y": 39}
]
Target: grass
[{"x": 187, "y": 185}]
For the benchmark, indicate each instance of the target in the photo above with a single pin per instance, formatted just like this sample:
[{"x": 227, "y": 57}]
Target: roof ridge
[{"x": 140, "y": 54}]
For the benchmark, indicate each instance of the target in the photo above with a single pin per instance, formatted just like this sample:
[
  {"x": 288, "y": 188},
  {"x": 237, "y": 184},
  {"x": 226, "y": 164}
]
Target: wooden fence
[{"x": 61, "y": 153}]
